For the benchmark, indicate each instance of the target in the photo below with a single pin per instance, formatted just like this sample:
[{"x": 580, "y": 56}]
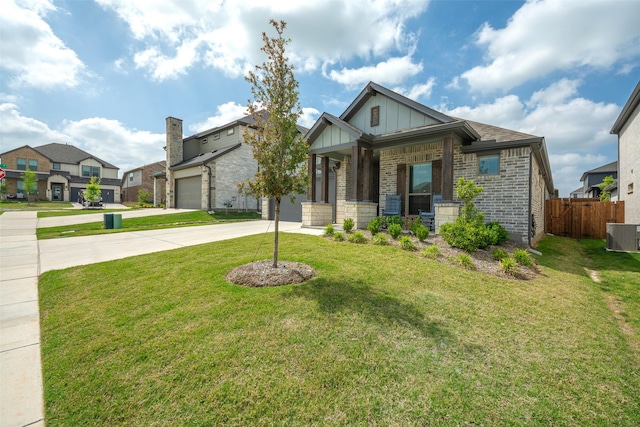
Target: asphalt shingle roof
[{"x": 64, "y": 153}]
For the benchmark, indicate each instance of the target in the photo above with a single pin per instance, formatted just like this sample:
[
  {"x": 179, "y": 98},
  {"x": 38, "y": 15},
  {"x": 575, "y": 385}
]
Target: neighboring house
[
  {"x": 578, "y": 193},
  {"x": 63, "y": 170},
  {"x": 591, "y": 179},
  {"x": 385, "y": 144},
  {"x": 145, "y": 178},
  {"x": 627, "y": 127},
  {"x": 203, "y": 170}
]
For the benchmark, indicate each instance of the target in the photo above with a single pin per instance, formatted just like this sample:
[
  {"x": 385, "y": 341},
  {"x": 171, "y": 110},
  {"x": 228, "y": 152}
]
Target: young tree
[
  {"x": 605, "y": 195},
  {"x": 30, "y": 180},
  {"x": 93, "y": 190},
  {"x": 277, "y": 146}
]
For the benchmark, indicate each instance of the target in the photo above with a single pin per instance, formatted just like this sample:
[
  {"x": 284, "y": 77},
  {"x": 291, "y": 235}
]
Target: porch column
[
  {"x": 367, "y": 179},
  {"x": 355, "y": 172},
  {"x": 324, "y": 189},
  {"x": 447, "y": 169},
  {"x": 311, "y": 192}
]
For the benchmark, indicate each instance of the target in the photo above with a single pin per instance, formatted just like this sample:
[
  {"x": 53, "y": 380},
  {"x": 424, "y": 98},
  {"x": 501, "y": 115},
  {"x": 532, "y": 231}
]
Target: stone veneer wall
[
  {"x": 361, "y": 213},
  {"x": 316, "y": 214},
  {"x": 343, "y": 183},
  {"x": 230, "y": 170}
]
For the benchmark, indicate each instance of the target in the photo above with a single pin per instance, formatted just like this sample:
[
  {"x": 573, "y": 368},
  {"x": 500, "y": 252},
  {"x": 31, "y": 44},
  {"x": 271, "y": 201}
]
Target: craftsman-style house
[{"x": 386, "y": 144}]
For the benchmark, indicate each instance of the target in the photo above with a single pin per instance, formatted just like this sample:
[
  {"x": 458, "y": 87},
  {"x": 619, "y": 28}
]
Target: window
[
  {"x": 630, "y": 188},
  {"x": 130, "y": 177},
  {"x": 375, "y": 116},
  {"x": 489, "y": 165},
  {"x": 419, "y": 188},
  {"x": 21, "y": 164},
  {"x": 20, "y": 186},
  {"x": 33, "y": 165},
  {"x": 91, "y": 171},
  {"x": 56, "y": 166},
  {"x": 216, "y": 136},
  {"x": 230, "y": 132}
]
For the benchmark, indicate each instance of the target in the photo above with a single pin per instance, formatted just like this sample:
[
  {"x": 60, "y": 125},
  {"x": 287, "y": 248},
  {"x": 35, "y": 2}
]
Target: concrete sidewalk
[{"x": 23, "y": 259}]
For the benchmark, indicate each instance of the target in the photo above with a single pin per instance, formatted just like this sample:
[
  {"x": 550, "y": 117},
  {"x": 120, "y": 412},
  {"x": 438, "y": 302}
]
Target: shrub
[
  {"x": 347, "y": 225},
  {"x": 468, "y": 236},
  {"x": 422, "y": 232},
  {"x": 357, "y": 237},
  {"x": 509, "y": 266},
  {"x": 380, "y": 239},
  {"x": 329, "y": 230},
  {"x": 338, "y": 236},
  {"x": 432, "y": 251},
  {"x": 415, "y": 224},
  {"x": 407, "y": 244},
  {"x": 499, "y": 254},
  {"x": 374, "y": 225},
  {"x": 395, "y": 230},
  {"x": 522, "y": 257},
  {"x": 497, "y": 233},
  {"x": 466, "y": 261},
  {"x": 397, "y": 219}
]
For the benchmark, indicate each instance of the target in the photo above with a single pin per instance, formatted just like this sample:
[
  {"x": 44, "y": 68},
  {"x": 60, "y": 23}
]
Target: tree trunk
[{"x": 275, "y": 239}]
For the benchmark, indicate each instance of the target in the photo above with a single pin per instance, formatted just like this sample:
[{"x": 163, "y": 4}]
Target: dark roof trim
[
  {"x": 326, "y": 120},
  {"x": 201, "y": 159},
  {"x": 480, "y": 146},
  {"x": 372, "y": 88},
  {"x": 461, "y": 128},
  {"x": 608, "y": 168},
  {"x": 628, "y": 108}
]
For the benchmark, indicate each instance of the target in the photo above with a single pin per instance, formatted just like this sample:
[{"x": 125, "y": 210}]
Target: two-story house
[
  {"x": 62, "y": 171},
  {"x": 148, "y": 178},
  {"x": 627, "y": 127}
]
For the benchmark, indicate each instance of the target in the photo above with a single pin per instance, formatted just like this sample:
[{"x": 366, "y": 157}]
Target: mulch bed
[{"x": 262, "y": 273}]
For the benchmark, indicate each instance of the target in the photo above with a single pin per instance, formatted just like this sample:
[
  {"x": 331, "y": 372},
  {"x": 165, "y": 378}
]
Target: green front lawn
[
  {"x": 379, "y": 337},
  {"x": 22, "y": 205},
  {"x": 153, "y": 222}
]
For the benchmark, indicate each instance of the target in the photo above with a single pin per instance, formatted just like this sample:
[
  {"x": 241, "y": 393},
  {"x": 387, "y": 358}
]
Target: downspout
[{"x": 208, "y": 189}]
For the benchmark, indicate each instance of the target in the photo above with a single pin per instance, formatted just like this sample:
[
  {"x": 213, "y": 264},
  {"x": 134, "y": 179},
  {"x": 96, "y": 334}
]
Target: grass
[
  {"x": 153, "y": 222},
  {"x": 379, "y": 337},
  {"x": 74, "y": 212},
  {"x": 21, "y": 205}
]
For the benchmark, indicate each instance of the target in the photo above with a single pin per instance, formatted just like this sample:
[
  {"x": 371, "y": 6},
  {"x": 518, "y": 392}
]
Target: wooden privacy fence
[{"x": 581, "y": 218}]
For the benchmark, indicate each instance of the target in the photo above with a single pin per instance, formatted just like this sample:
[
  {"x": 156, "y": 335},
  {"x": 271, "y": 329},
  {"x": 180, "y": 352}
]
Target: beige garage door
[{"x": 188, "y": 192}]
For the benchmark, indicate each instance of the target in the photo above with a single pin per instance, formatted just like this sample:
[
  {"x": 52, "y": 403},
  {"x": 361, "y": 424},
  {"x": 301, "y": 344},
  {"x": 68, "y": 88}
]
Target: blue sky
[{"x": 103, "y": 75}]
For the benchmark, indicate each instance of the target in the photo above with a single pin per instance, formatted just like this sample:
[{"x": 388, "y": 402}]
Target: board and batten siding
[
  {"x": 393, "y": 117},
  {"x": 331, "y": 136}
]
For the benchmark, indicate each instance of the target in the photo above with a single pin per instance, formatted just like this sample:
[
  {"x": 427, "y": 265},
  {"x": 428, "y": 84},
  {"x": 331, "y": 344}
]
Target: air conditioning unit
[{"x": 623, "y": 237}]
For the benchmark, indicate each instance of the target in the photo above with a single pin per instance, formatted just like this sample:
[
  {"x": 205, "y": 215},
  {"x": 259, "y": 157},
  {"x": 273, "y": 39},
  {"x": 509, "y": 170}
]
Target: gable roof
[
  {"x": 372, "y": 88},
  {"x": 628, "y": 108},
  {"x": 64, "y": 153},
  {"x": 160, "y": 164},
  {"x": 609, "y": 167}
]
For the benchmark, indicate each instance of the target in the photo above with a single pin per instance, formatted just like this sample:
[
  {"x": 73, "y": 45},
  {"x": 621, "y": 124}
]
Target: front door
[{"x": 56, "y": 191}]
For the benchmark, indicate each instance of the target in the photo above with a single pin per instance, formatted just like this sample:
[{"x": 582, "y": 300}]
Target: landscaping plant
[
  {"x": 422, "y": 232},
  {"x": 521, "y": 256},
  {"x": 329, "y": 230},
  {"x": 395, "y": 230},
  {"x": 407, "y": 244},
  {"x": 347, "y": 225},
  {"x": 466, "y": 261},
  {"x": 375, "y": 225},
  {"x": 357, "y": 237},
  {"x": 432, "y": 251},
  {"x": 338, "y": 236},
  {"x": 509, "y": 265},
  {"x": 499, "y": 254},
  {"x": 380, "y": 239}
]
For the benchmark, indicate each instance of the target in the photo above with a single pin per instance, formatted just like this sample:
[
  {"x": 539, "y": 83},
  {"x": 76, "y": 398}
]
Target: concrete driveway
[{"x": 23, "y": 258}]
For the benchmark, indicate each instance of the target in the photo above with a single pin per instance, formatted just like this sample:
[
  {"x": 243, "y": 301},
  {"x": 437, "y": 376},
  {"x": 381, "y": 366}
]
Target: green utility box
[
  {"x": 117, "y": 221},
  {"x": 108, "y": 221}
]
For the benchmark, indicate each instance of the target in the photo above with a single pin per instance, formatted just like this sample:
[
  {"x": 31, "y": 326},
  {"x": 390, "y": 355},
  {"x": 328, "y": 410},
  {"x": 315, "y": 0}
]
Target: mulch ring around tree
[{"x": 261, "y": 273}]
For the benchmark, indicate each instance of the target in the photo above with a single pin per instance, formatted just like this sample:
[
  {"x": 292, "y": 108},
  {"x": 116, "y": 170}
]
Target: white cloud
[
  {"x": 308, "y": 117},
  {"x": 391, "y": 71},
  {"x": 226, "y": 113},
  {"x": 31, "y": 53},
  {"x": 548, "y": 35},
  {"x": 420, "y": 90},
  {"x": 227, "y": 35},
  {"x": 107, "y": 139},
  {"x": 575, "y": 128}
]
